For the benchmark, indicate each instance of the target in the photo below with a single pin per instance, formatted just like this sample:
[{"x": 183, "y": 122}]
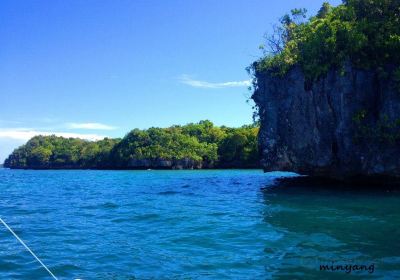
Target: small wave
[
  {"x": 120, "y": 220},
  {"x": 190, "y": 194},
  {"x": 109, "y": 205},
  {"x": 143, "y": 217},
  {"x": 217, "y": 214},
  {"x": 149, "y": 216},
  {"x": 168, "y": 193}
]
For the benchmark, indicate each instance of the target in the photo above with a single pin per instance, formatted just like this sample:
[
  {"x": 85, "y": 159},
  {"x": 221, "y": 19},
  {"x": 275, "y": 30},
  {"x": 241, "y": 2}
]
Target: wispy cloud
[
  {"x": 187, "y": 80},
  {"x": 26, "y": 134},
  {"x": 93, "y": 126}
]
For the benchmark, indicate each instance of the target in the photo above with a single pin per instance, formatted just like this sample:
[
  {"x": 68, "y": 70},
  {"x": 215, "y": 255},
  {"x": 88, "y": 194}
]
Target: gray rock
[{"x": 343, "y": 126}]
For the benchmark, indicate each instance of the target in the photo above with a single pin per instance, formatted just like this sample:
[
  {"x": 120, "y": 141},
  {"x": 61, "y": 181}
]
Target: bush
[
  {"x": 200, "y": 142},
  {"x": 365, "y": 32}
]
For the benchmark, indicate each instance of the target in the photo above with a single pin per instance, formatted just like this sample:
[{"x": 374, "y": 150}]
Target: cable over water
[{"x": 27, "y": 248}]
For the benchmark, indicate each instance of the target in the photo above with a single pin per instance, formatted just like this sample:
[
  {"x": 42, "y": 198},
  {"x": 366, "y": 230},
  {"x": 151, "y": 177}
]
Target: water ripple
[{"x": 189, "y": 225}]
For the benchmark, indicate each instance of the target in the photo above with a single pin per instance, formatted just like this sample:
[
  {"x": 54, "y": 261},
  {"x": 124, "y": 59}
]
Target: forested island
[
  {"x": 328, "y": 92},
  {"x": 191, "y": 146}
]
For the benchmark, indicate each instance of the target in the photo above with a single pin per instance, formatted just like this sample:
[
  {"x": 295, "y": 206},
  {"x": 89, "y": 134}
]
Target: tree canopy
[
  {"x": 366, "y": 32},
  {"x": 200, "y": 142}
]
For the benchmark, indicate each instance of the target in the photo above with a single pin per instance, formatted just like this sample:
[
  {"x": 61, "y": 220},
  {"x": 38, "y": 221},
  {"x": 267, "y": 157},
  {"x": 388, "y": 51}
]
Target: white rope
[{"x": 27, "y": 248}]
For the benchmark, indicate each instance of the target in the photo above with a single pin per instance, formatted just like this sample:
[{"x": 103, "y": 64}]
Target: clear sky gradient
[{"x": 99, "y": 68}]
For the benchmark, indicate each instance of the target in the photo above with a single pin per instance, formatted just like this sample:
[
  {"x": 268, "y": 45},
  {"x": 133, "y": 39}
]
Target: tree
[
  {"x": 367, "y": 33},
  {"x": 324, "y": 10},
  {"x": 39, "y": 156},
  {"x": 200, "y": 142}
]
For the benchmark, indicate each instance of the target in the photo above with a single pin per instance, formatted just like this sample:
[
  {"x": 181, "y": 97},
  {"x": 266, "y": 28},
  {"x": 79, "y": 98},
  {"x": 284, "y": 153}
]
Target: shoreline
[{"x": 138, "y": 169}]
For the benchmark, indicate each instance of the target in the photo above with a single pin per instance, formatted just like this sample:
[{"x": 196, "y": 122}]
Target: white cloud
[
  {"x": 94, "y": 126},
  {"x": 26, "y": 134},
  {"x": 187, "y": 80}
]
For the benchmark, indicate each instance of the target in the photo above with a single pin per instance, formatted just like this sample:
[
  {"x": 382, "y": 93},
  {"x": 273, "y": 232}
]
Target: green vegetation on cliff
[
  {"x": 201, "y": 142},
  {"x": 365, "y": 32}
]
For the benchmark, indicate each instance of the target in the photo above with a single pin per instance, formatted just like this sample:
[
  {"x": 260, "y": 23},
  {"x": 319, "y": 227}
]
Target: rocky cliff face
[{"x": 344, "y": 126}]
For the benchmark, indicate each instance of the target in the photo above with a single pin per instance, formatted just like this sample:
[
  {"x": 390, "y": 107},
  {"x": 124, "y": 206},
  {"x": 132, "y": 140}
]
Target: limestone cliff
[{"x": 343, "y": 126}]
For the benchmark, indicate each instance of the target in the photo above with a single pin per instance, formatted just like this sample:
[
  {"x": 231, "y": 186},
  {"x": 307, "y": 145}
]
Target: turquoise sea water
[{"x": 191, "y": 225}]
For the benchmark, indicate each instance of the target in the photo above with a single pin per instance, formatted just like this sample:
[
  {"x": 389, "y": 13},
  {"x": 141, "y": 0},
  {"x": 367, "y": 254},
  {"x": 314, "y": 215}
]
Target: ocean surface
[{"x": 192, "y": 225}]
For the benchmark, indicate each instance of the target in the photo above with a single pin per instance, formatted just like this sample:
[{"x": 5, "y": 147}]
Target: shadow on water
[
  {"x": 362, "y": 185},
  {"x": 330, "y": 224}
]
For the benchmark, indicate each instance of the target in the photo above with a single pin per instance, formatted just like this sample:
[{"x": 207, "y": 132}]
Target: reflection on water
[{"x": 325, "y": 226}]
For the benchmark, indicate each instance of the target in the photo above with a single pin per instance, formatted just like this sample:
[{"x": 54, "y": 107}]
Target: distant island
[{"x": 192, "y": 146}]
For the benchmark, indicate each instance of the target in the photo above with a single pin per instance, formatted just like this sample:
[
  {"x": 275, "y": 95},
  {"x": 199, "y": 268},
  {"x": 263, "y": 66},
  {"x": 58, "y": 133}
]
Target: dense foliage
[
  {"x": 365, "y": 32},
  {"x": 200, "y": 142},
  {"x": 59, "y": 152}
]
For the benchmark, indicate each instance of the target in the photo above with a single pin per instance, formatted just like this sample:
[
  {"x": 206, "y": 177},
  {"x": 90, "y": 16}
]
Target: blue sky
[{"x": 101, "y": 68}]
